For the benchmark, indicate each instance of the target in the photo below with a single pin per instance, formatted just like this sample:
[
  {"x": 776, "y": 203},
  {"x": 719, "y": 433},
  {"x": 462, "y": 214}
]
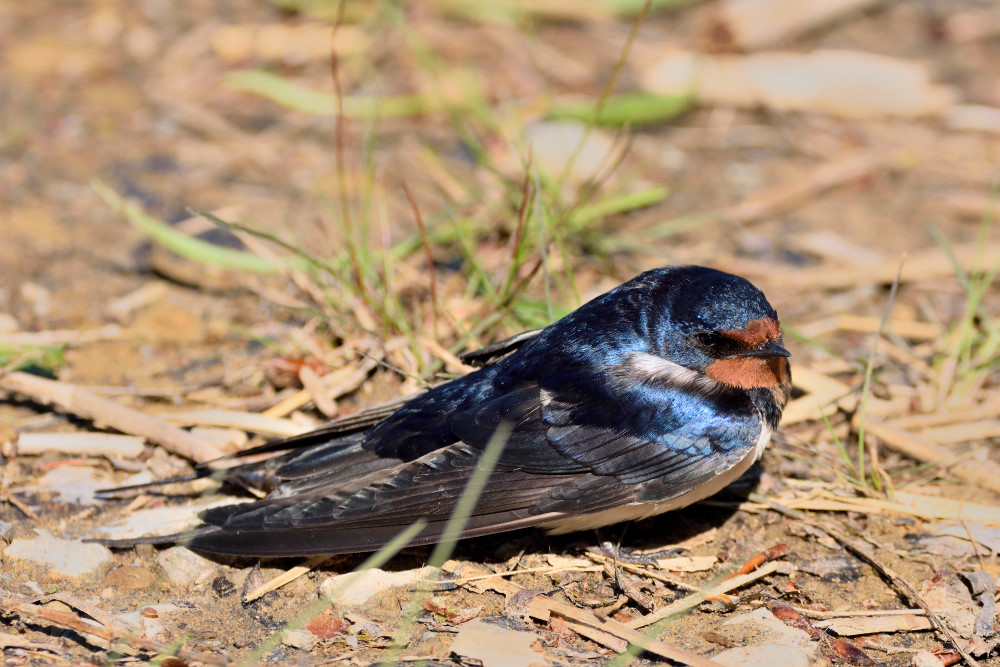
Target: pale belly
[{"x": 569, "y": 524}]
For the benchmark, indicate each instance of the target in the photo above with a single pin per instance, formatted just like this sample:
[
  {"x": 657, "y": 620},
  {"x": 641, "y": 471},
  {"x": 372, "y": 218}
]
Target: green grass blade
[
  {"x": 634, "y": 109},
  {"x": 47, "y": 358},
  {"x": 280, "y": 90},
  {"x": 186, "y": 246},
  {"x": 613, "y": 205}
]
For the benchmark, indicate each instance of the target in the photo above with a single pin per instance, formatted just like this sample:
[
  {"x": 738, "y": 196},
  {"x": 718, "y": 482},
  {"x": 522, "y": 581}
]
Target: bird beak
[{"x": 772, "y": 349}]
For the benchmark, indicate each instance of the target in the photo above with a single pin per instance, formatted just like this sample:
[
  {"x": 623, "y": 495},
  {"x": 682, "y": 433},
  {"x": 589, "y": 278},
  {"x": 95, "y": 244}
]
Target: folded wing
[{"x": 557, "y": 462}]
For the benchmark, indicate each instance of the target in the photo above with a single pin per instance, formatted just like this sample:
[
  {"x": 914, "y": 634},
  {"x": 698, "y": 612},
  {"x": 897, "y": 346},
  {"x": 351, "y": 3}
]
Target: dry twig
[
  {"x": 85, "y": 404},
  {"x": 285, "y": 577},
  {"x": 692, "y": 601}
]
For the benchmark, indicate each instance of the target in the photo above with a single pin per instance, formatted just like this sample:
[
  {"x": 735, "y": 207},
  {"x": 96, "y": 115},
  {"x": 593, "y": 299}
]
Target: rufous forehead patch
[{"x": 757, "y": 332}]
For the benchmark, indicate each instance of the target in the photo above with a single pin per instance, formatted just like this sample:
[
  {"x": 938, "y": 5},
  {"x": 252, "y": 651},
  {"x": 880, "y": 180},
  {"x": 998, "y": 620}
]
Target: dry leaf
[
  {"x": 325, "y": 626},
  {"x": 952, "y": 601},
  {"x": 987, "y": 536}
]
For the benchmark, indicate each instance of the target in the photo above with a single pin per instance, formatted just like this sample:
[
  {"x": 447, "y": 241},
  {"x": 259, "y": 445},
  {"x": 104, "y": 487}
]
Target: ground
[{"x": 474, "y": 200}]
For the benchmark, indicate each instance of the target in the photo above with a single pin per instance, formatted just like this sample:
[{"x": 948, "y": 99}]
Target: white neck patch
[{"x": 657, "y": 369}]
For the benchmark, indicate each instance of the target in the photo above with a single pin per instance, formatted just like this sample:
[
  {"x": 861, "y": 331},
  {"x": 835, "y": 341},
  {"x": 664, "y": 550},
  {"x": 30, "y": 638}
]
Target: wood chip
[
  {"x": 929, "y": 263},
  {"x": 692, "y": 601},
  {"x": 122, "y": 308},
  {"x": 452, "y": 363},
  {"x": 285, "y": 577},
  {"x": 600, "y": 636},
  {"x": 946, "y": 508},
  {"x": 966, "y": 432},
  {"x": 54, "y": 337},
  {"x": 832, "y": 246},
  {"x": 312, "y": 383},
  {"x": 789, "y": 196},
  {"x": 974, "y": 118},
  {"x": 986, "y": 410},
  {"x": 852, "y": 84},
  {"x": 905, "y": 503},
  {"x": 906, "y": 328},
  {"x": 340, "y": 382},
  {"x": 645, "y": 571},
  {"x": 292, "y": 44}
]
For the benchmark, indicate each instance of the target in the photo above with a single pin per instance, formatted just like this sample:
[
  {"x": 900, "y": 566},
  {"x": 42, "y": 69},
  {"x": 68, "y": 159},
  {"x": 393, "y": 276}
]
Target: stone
[
  {"x": 59, "y": 557},
  {"x": 495, "y": 646},
  {"x": 300, "y": 639},
  {"x": 183, "y": 567},
  {"x": 555, "y": 142},
  {"x": 73, "y": 484},
  {"x": 760, "y": 626},
  {"x": 765, "y": 641}
]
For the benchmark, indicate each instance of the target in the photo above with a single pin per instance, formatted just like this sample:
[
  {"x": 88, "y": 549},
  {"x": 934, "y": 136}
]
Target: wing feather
[{"x": 552, "y": 466}]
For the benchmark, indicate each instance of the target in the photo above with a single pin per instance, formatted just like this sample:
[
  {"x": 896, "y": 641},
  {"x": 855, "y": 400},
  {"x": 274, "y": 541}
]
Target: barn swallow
[{"x": 646, "y": 399}]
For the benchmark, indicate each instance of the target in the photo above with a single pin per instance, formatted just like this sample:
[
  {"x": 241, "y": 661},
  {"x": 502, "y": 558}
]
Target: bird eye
[
  {"x": 715, "y": 344},
  {"x": 708, "y": 339}
]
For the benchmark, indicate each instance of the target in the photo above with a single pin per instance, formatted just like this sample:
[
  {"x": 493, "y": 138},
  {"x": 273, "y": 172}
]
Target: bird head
[{"x": 724, "y": 328}]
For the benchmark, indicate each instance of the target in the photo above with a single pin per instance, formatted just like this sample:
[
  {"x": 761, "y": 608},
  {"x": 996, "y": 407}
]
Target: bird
[{"x": 650, "y": 397}]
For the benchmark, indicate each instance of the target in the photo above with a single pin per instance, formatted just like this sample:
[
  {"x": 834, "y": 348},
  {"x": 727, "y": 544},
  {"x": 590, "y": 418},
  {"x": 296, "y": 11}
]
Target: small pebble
[{"x": 300, "y": 639}]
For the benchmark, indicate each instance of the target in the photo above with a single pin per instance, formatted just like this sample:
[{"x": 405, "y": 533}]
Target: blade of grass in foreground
[
  {"x": 449, "y": 537},
  {"x": 377, "y": 559}
]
